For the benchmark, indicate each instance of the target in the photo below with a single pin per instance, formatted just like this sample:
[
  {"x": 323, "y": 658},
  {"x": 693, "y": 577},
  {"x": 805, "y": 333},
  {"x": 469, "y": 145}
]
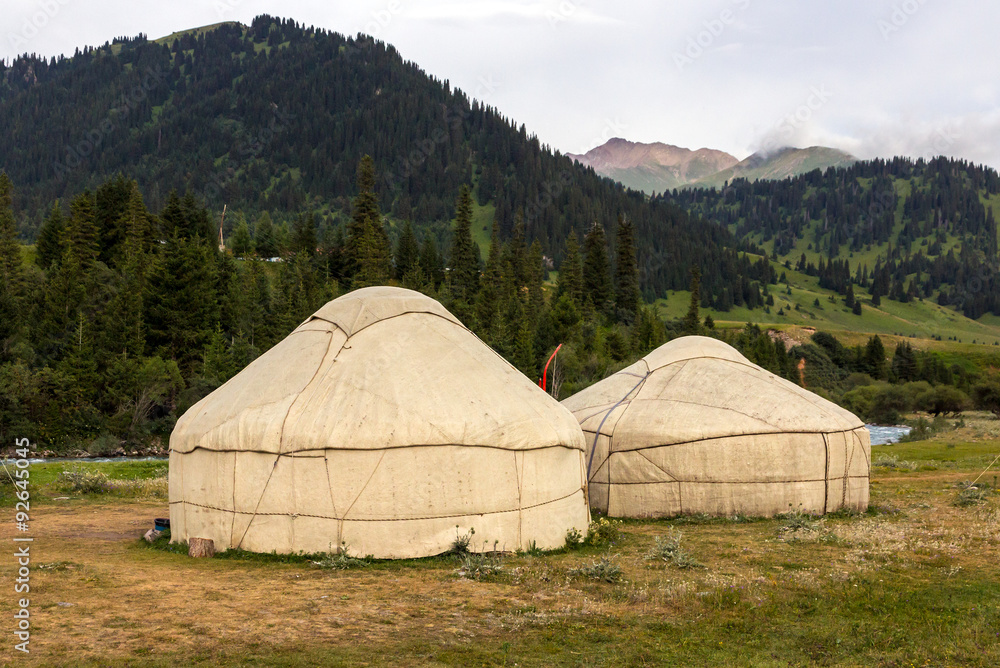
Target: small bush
[
  {"x": 601, "y": 570},
  {"x": 104, "y": 445},
  {"x": 972, "y": 495},
  {"x": 797, "y": 525},
  {"x": 894, "y": 462},
  {"x": 574, "y": 538},
  {"x": 481, "y": 567},
  {"x": 604, "y": 532},
  {"x": 533, "y": 550},
  {"x": 341, "y": 560},
  {"x": 668, "y": 549},
  {"x": 461, "y": 543},
  {"x": 83, "y": 481}
]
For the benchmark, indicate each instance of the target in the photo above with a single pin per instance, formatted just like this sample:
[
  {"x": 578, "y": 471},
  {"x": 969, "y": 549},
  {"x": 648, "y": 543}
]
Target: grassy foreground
[{"x": 913, "y": 582}]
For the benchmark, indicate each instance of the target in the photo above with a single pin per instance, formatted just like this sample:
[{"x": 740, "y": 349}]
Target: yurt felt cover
[
  {"x": 694, "y": 427},
  {"x": 383, "y": 425}
]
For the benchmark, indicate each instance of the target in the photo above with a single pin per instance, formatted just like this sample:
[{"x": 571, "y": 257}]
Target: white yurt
[
  {"x": 694, "y": 427},
  {"x": 383, "y": 424}
]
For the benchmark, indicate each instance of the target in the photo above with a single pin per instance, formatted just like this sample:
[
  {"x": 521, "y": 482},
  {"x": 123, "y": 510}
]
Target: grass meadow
[{"x": 914, "y": 581}]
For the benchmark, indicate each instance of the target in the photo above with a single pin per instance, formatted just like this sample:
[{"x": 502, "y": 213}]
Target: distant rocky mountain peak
[{"x": 656, "y": 167}]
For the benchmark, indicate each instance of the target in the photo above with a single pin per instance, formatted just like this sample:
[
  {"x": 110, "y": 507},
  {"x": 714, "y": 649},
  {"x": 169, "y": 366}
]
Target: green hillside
[
  {"x": 920, "y": 321},
  {"x": 779, "y": 164}
]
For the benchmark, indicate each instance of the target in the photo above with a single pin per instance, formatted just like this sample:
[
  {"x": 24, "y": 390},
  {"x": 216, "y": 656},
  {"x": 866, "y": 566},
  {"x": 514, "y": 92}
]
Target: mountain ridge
[
  {"x": 779, "y": 164},
  {"x": 656, "y": 167},
  {"x": 653, "y": 166}
]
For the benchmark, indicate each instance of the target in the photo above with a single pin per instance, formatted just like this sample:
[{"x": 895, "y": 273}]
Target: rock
[
  {"x": 201, "y": 547},
  {"x": 152, "y": 535}
]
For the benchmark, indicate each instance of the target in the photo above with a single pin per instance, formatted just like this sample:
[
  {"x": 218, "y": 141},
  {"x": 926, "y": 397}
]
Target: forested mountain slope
[
  {"x": 276, "y": 116},
  {"x": 900, "y": 229}
]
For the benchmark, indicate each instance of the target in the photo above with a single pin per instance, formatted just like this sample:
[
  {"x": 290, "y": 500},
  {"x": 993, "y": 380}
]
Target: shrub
[
  {"x": 603, "y": 531},
  {"x": 894, "y": 462},
  {"x": 104, "y": 445},
  {"x": 602, "y": 570},
  {"x": 574, "y": 538},
  {"x": 987, "y": 396},
  {"x": 943, "y": 399},
  {"x": 481, "y": 567},
  {"x": 970, "y": 494},
  {"x": 341, "y": 560},
  {"x": 668, "y": 549},
  {"x": 84, "y": 481},
  {"x": 797, "y": 524},
  {"x": 461, "y": 543}
]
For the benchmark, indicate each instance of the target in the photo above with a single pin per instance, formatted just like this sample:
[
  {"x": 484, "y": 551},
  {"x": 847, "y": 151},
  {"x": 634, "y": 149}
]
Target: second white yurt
[{"x": 694, "y": 427}]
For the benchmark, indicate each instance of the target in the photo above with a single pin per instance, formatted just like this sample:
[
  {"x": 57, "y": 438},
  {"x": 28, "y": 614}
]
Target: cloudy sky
[{"x": 873, "y": 77}]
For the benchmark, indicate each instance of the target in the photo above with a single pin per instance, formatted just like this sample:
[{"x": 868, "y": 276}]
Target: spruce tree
[
  {"x": 48, "y": 245},
  {"x": 536, "y": 277},
  {"x": 81, "y": 237},
  {"x": 627, "y": 297},
  {"x": 463, "y": 257},
  {"x": 430, "y": 262},
  {"x": 304, "y": 238},
  {"x": 368, "y": 252},
  {"x": 597, "y": 288},
  {"x": 264, "y": 239},
  {"x": 407, "y": 252},
  {"x": 517, "y": 253},
  {"x": 11, "y": 271},
  {"x": 127, "y": 334},
  {"x": 183, "y": 307},
  {"x": 488, "y": 299},
  {"x": 241, "y": 242},
  {"x": 571, "y": 271},
  {"x": 692, "y": 321}
]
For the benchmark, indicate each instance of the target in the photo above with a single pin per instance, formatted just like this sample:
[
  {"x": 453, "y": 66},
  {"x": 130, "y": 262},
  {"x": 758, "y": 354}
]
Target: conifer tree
[
  {"x": 597, "y": 288},
  {"x": 627, "y": 297},
  {"x": 488, "y": 300},
  {"x": 183, "y": 305},
  {"x": 241, "y": 243},
  {"x": 304, "y": 235},
  {"x": 368, "y": 252},
  {"x": 407, "y": 252},
  {"x": 524, "y": 348},
  {"x": 463, "y": 257},
  {"x": 430, "y": 262},
  {"x": 11, "y": 271},
  {"x": 264, "y": 239},
  {"x": 81, "y": 237},
  {"x": 48, "y": 245},
  {"x": 571, "y": 271},
  {"x": 692, "y": 321},
  {"x": 536, "y": 276},
  {"x": 128, "y": 333}
]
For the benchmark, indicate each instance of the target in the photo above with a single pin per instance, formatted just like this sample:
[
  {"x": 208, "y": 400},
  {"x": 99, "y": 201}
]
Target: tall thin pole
[
  {"x": 543, "y": 382},
  {"x": 222, "y": 223}
]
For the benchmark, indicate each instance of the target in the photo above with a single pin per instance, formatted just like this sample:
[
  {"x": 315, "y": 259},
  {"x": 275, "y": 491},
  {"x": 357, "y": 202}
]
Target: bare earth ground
[{"x": 916, "y": 581}]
